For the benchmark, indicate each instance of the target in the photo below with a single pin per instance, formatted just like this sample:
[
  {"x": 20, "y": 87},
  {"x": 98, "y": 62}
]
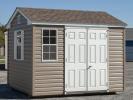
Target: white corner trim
[
  {"x": 14, "y": 14},
  {"x": 6, "y": 50}
]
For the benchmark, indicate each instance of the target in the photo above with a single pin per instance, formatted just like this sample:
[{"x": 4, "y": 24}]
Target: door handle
[{"x": 89, "y": 67}]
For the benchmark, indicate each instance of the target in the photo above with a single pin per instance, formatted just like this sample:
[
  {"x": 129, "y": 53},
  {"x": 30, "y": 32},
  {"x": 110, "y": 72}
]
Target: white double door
[{"x": 85, "y": 59}]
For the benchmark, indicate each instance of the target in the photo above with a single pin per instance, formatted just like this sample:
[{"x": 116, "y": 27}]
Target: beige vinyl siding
[
  {"x": 48, "y": 77},
  {"x": 20, "y": 72},
  {"x": 116, "y": 60}
]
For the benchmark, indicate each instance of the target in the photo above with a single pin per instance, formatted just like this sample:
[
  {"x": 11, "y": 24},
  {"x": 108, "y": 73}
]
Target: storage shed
[{"x": 60, "y": 52}]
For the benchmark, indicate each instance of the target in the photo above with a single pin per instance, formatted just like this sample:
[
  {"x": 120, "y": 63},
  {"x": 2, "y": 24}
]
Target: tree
[{"x": 2, "y": 36}]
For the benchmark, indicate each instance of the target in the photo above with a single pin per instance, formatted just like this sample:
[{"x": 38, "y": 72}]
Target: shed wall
[
  {"x": 20, "y": 72},
  {"x": 116, "y": 60},
  {"x": 48, "y": 77}
]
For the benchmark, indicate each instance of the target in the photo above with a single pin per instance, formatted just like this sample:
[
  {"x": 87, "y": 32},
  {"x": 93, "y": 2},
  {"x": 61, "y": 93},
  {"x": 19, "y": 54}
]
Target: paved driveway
[{"x": 7, "y": 92}]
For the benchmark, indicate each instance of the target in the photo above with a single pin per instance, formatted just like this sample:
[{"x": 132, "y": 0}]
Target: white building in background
[{"x": 129, "y": 44}]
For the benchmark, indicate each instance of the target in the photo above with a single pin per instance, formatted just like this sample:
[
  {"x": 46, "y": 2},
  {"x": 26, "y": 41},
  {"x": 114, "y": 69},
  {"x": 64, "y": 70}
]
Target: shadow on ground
[
  {"x": 8, "y": 93},
  {"x": 2, "y": 66}
]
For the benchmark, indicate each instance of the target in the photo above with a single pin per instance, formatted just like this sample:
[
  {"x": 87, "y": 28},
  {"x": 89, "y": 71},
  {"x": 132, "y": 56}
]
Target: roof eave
[{"x": 73, "y": 24}]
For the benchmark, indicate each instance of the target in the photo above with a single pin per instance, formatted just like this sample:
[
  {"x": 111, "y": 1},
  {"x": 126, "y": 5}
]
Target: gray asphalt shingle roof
[{"x": 70, "y": 16}]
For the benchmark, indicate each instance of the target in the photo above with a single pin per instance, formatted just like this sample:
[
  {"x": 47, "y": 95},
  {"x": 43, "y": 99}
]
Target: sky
[{"x": 122, "y": 9}]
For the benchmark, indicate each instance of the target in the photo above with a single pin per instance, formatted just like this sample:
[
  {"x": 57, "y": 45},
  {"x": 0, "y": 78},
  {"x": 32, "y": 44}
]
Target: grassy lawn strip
[{"x": 2, "y": 59}]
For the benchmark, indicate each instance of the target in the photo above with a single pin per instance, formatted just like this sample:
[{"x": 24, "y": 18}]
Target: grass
[{"x": 2, "y": 59}]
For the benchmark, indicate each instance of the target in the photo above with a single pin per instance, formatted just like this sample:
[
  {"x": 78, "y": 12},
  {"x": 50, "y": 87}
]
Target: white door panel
[
  {"x": 71, "y": 53},
  {"x": 75, "y": 55},
  {"x": 82, "y": 53},
  {"x": 97, "y": 56},
  {"x": 85, "y": 60},
  {"x": 71, "y": 77}
]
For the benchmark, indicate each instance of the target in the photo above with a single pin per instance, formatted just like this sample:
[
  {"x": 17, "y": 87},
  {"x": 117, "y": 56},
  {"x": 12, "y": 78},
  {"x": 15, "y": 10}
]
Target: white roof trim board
[{"x": 73, "y": 25}]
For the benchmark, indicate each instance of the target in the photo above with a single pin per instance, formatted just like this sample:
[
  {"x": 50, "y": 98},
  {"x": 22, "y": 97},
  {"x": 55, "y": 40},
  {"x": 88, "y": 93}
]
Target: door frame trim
[
  {"x": 87, "y": 29},
  {"x": 107, "y": 35}
]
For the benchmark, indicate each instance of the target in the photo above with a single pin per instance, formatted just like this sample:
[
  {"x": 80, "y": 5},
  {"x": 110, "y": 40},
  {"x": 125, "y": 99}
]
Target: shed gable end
[{"x": 18, "y": 20}]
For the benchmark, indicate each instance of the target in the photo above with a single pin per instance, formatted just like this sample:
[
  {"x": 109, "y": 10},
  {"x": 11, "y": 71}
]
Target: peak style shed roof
[{"x": 38, "y": 15}]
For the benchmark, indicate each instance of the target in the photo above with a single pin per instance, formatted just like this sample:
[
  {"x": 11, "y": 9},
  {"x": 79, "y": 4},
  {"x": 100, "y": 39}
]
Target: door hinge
[
  {"x": 66, "y": 59},
  {"x": 106, "y": 83},
  {"x": 65, "y": 85},
  {"x": 106, "y": 36},
  {"x": 66, "y": 34}
]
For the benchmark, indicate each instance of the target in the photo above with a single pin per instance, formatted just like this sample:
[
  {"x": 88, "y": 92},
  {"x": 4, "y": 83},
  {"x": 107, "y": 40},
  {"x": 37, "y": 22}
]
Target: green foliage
[
  {"x": 2, "y": 61},
  {"x": 2, "y": 36}
]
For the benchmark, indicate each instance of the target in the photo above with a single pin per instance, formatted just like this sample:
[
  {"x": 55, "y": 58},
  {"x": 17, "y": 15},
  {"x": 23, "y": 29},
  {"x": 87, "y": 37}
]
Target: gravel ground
[
  {"x": 8, "y": 93},
  {"x": 3, "y": 77}
]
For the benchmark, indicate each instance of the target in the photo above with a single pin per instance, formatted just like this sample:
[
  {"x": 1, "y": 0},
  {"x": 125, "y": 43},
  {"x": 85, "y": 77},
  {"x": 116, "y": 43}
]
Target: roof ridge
[{"x": 78, "y": 10}]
